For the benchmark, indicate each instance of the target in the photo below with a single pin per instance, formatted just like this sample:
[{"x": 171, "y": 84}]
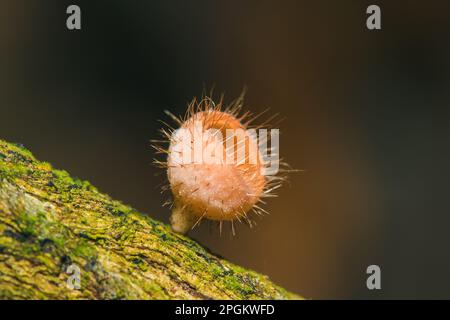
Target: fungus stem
[{"x": 182, "y": 220}]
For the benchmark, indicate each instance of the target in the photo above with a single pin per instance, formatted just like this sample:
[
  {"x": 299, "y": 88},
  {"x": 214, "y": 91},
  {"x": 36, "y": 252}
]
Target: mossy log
[{"x": 50, "y": 221}]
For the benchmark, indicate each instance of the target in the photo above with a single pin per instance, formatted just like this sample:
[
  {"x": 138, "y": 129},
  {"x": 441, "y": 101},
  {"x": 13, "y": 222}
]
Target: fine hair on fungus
[{"x": 218, "y": 164}]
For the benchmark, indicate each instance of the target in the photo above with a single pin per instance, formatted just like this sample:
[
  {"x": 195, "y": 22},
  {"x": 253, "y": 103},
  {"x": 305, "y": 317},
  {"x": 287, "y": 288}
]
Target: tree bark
[{"x": 52, "y": 224}]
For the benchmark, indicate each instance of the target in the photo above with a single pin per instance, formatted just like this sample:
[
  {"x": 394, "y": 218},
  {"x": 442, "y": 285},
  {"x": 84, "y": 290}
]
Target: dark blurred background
[{"x": 367, "y": 118}]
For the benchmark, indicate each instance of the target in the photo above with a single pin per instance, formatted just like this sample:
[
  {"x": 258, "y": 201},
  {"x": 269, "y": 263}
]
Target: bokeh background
[{"x": 366, "y": 116}]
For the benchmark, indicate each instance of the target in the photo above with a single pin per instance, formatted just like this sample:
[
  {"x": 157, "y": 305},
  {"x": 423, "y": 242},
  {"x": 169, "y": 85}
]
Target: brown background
[{"x": 366, "y": 118}]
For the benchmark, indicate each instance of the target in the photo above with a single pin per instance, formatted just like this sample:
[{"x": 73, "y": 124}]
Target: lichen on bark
[{"x": 49, "y": 221}]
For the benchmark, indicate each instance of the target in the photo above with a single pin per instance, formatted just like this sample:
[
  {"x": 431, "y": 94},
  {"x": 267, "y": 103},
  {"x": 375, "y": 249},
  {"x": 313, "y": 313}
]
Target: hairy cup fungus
[{"x": 217, "y": 167}]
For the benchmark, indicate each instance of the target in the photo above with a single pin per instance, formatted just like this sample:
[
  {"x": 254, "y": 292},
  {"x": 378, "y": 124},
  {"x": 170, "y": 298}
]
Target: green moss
[
  {"x": 13, "y": 171},
  {"x": 84, "y": 249}
]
